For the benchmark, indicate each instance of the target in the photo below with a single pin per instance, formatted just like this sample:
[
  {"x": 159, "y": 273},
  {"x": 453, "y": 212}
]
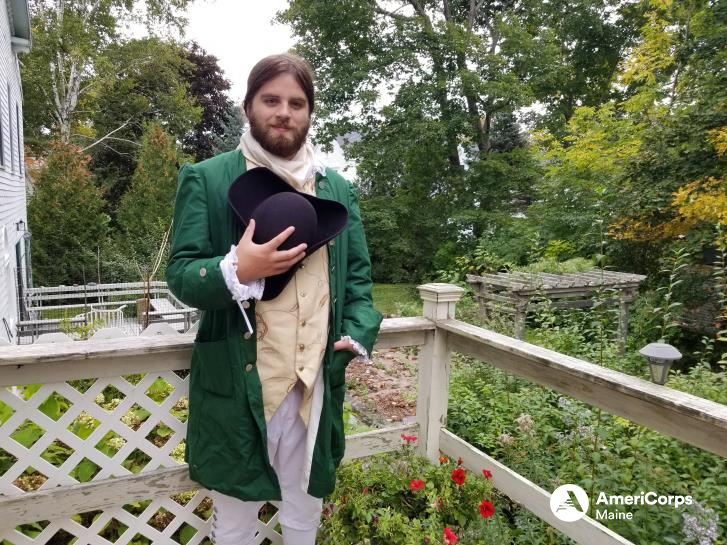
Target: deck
[{"x": 437, "y": 333}]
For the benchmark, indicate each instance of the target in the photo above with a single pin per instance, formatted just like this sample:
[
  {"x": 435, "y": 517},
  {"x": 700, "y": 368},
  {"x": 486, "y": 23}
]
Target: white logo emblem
[{"x": 569, "y": 502}]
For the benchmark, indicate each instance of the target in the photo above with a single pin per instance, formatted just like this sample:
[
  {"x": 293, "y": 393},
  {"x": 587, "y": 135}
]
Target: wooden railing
[
  {"x": 694, "y": 420},
  {"x": 97, "y": 302}
]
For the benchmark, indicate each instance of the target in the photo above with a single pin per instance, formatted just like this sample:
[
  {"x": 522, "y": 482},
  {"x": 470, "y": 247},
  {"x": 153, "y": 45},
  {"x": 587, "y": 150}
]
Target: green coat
[{"x": 226, "y": 431}]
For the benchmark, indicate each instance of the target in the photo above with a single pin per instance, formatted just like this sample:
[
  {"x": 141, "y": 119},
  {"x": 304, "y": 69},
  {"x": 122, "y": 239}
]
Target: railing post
[{"x": 439, "y": 304}]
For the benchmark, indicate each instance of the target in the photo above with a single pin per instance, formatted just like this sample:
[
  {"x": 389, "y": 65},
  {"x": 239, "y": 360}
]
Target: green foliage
[
  {"x": 374, "y": 501},
  {"x": 145, "y": 211},
  {"x": 154, "y": 89},
  {"x": 69, "y": 62},
  {"x": 510, "y": 419},
  {"x": 65, "y": 215},
  {"x": 208, "y": 85},
  {"x": 441, "y": 157},
  {"x": 80, "y": 331}
]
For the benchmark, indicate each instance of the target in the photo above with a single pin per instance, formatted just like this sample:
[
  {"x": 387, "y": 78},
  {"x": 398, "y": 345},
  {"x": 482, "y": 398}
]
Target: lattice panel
[{"x": 113, "y": 428}]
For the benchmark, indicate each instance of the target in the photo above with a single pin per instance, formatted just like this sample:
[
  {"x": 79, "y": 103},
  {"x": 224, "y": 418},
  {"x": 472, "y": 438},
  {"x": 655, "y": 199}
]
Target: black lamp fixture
[{"x": 20, "y": 226}]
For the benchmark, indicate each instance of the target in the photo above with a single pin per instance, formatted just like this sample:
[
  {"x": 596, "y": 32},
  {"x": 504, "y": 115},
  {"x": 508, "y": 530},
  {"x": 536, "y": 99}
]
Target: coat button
[
  {"x": 301, "y": 347},
  {"x": 332, "y": 243},
  {"x": 248, "y": 367},
  {"x": 247, "y": 335},
  {"x": 202, "y": 272},
  {"x": 246, "y": 304},
  {"x": 322, "y": 184}
]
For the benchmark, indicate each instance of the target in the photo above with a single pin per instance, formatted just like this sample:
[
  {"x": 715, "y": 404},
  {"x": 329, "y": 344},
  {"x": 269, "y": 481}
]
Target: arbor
[{"x": 65, "y": 216}]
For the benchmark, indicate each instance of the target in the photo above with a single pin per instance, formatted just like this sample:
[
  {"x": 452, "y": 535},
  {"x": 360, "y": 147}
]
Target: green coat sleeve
[
  {"x": 193, "y": 270},
  {"x": 361, "y": 320}
]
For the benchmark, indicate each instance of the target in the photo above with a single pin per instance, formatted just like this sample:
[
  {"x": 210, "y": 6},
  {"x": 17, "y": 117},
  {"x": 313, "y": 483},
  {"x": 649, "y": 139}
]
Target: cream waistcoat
[{"x": 292, "y": 329}]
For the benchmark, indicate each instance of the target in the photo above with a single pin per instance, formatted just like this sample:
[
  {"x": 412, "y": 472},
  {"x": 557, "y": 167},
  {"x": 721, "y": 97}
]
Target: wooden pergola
[{"x": 513, "y": 293}]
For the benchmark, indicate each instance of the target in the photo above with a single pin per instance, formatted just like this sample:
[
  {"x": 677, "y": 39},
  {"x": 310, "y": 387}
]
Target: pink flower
[
  {"x": 409, "y": 438},
  {"x": 450, "y": 537}
]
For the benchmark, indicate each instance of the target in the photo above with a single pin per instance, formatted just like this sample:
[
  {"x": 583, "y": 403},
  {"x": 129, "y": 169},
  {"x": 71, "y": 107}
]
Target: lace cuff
[
  {"x": 240, "y": 292},
  {"x": 362, "y": 356}
]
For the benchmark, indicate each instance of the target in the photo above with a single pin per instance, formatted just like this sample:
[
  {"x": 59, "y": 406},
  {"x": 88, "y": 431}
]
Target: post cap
[{"x": 440, "y": 292}]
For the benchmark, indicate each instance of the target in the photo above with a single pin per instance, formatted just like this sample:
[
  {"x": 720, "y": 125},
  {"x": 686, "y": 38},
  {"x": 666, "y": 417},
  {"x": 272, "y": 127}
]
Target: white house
[{"x": 15, "y": 37}]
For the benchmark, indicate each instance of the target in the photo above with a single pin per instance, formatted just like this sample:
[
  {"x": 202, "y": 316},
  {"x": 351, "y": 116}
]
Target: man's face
[{"x": 279, "y": 116}]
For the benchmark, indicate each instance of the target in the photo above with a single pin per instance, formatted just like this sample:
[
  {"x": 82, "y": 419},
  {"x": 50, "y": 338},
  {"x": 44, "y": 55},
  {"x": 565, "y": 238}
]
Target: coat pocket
[
  {"x": 215, "y": 371},
  {"x": 339, "y": 361}
]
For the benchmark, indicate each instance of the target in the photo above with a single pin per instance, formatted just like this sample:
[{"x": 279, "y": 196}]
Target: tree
[
  {"x": 65, "y": 217},
  {"x": 232, "y": 129},
  {"x": 151, "y": 89},
  {"x": 150, "y": 199},
  {"x": 208, "y": 86},
  {"x": 430, "y": 88},
  {"x": 68, "y": 61}
]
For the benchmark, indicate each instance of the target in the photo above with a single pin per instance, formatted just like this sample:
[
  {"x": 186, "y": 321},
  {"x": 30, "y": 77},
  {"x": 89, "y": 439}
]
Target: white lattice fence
[{"x": 114, "y": 428}]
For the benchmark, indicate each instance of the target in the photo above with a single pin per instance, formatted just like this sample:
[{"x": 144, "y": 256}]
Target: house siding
[{"x": 12, "y": 177}]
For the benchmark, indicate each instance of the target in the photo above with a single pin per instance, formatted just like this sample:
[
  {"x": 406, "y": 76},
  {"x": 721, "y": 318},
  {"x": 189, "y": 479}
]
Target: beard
[{"x": 282, "y": 145}]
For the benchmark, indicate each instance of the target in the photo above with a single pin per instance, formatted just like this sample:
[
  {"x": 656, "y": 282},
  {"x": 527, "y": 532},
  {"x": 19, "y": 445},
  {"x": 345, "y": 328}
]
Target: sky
[{"x": 239, "y": 33}]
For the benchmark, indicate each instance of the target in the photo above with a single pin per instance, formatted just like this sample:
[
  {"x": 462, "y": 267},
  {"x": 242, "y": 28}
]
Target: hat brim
[{"x": 254, "y": 186}]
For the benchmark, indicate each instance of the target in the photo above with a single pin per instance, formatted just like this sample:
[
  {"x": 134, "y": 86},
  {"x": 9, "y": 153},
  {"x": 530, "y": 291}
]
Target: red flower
[
  {"x": 487, "y": 474},
  {"x": 449, "y": 537},
  {"x": 459, "y": 461},
  {"x": 409, "y": 438},
  {"x": 486, "y": 509},
  {"x": 458, "y": 476},
  {"x": 416, "y": 484},
  {"x": 365, "y": 490}
]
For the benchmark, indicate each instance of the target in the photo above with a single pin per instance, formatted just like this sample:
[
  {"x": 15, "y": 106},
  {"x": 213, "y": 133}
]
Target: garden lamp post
[{"x": 660, "y": 356}]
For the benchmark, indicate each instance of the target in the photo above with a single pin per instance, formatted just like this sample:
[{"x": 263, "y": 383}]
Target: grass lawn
[{"x": 399, "y": 299}]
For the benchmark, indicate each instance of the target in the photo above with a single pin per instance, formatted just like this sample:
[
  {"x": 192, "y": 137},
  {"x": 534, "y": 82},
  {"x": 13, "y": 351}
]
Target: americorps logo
[{"x": 569, "y": 502}]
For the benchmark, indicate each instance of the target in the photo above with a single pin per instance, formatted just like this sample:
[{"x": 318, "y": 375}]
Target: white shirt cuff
[
  {"x": 240, "y": 292},
  {"x": 362, "y": 355}
]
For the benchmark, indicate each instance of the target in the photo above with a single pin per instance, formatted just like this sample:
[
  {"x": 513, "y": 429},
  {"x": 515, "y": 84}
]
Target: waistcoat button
[
  {"x": 322, "y": 184},
  {"x": 246, "y": 304},
  {"x": 202, "y": 272},
  {"x": 248, "y": 367},
  {"x": 247, "y": 335}
]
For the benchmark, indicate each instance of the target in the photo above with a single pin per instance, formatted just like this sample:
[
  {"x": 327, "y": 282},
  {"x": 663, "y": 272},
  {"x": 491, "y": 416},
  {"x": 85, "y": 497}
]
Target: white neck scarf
[{"x": 295, "y": 171}]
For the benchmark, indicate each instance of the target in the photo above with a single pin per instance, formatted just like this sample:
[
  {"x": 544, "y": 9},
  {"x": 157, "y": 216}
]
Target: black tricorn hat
[{"x": 262, "y": 195}]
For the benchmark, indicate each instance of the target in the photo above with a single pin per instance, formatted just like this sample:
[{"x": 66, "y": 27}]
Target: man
[{"x": 266, "y": 408}]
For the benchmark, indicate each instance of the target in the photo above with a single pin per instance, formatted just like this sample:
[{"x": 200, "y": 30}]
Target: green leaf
[
  {"x": 85, "y": 470},
  {"x": 186, "y": 534},
  {"x": 51, "y": 408}
]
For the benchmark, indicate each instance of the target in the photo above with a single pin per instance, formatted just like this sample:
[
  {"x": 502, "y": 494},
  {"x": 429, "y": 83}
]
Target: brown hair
[{"x": 274, "y": 65}]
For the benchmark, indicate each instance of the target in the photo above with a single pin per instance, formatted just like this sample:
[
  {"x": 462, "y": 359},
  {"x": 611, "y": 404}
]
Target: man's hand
[
  {"x": 262, "y": 260},
  {"x": 343, "y": 345}
]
